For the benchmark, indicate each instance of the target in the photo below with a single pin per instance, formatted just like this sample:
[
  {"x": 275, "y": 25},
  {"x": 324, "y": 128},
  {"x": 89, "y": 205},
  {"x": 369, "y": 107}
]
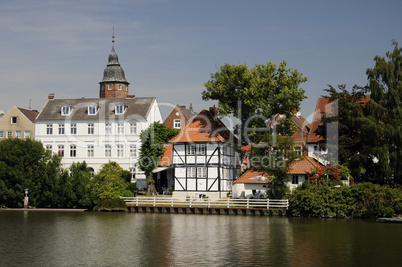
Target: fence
[{"x": 207, "y": 203}]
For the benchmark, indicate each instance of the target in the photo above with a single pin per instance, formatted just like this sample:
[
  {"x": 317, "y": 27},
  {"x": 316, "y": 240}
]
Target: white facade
[
  {"x": 204, "y": 169},
  {"x": 316, "y": 152},
  {"x": 98, "y": 139}
]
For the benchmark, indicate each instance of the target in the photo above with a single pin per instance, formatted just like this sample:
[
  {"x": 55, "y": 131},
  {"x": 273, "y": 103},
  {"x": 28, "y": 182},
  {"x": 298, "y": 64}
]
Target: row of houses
[{"x": 204, "y": 159}]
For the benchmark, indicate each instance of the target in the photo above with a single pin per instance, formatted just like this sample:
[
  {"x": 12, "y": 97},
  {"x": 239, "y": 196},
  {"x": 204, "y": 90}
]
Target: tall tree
[
  {"x": 383, "y": 116},
  {"x": 152, "y": 147},
  {"x": 263, "y": 99}
]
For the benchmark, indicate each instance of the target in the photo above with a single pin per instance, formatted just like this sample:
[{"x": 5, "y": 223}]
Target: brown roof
[
  {"x": 254, "y": 177},
  {"x": 30, "y": 114},
  {"x": 204, "y": 128},
  {"x": 138, "y": 107},
  {"x": 303, "y": 166}
]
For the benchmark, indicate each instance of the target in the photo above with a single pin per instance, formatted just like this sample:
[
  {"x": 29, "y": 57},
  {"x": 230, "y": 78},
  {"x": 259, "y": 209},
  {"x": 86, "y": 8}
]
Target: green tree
[
  {"x": 24, "y": 164},
  {"x": 108, "y": 183},
  {"x": 263, "y": 99},
  {"x": 152, "y": 147},
  {"x": 382, "y": 124},
  {"x": 80, "y": 175}
]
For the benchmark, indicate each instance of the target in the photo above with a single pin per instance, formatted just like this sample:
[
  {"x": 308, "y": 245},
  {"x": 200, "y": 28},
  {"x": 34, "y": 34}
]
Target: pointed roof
[
  {"x": 30, "y": 114},
  {"x": 303, "y": 166},
  {"x": 205, "y": 127},
  {"x": 113, "y": 71}
]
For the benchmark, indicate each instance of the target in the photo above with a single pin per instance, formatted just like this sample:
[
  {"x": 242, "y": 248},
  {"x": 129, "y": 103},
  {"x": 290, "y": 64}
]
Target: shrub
[{"x": 114, "y": 204}]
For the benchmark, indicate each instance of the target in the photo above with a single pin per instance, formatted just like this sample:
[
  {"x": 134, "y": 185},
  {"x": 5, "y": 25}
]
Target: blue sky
[{"x": 169, "y": 48}]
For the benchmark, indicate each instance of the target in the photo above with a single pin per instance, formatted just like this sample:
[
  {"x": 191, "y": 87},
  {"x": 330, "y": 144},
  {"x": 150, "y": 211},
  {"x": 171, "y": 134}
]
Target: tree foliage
[{"x": 152, "y": 147}]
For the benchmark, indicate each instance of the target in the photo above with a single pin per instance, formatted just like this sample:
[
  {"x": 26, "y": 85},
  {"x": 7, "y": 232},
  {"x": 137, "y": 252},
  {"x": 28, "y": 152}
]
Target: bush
[
  {"x": 114, "y": 204},
  {"x": 365, "y": 200}
]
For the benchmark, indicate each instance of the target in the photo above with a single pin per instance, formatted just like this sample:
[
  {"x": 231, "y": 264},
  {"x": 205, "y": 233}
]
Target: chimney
[
  {"x": 191, "y": 107},
  {"x": 183, "y": 106},
  {"x": 213, "y": 111},
  {"x": 51, "y": 96}
]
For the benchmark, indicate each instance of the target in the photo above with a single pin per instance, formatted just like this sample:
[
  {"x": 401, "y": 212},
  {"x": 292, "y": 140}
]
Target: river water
[{"x": 34, "y": 238}]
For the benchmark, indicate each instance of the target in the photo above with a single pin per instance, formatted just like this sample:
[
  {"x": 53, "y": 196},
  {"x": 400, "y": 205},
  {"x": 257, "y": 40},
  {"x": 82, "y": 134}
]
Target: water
[{"x": 136, "y": 239}]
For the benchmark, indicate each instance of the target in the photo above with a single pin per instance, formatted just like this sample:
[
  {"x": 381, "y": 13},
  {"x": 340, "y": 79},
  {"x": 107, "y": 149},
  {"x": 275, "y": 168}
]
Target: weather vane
[{"x": 113, "y": 36}]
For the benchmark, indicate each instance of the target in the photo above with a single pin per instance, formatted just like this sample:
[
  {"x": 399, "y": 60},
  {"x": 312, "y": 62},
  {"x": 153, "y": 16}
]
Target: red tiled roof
[
  {"x": 30, "y": 114},
  {"x": 303, "y": 166},
  {"x": 254, "y": 177},
  {"x": 166, "y": 159},
  {"x": 204, "y": 128}
]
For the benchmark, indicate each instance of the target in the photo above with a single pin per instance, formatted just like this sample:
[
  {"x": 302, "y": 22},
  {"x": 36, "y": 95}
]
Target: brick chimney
[
  {"x": 50, "y": 96},
  {"x": 213, "y": 111},
  {"x": 191, "y": 107}
]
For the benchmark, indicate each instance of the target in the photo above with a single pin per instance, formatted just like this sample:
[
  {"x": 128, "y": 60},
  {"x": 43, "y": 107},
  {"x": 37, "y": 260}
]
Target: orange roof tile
[
  {"x": 303, "y": 166},
  {"x": 254, "y": 177},
  {"x": 166, "y": 159},
  {"x": 30, "y": 114},
  {"x": 204, "y": 128}
]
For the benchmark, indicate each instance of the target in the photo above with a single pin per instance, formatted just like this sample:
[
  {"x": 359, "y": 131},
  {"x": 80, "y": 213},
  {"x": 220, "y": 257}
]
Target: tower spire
[{"x": 113, "y": 36}]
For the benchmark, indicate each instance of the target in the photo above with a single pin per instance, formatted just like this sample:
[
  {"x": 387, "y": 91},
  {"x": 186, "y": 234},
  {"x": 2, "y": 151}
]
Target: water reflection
[{"x": 130, "y": 239}]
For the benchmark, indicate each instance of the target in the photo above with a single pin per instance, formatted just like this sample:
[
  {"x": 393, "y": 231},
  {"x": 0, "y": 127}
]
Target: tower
[{"x": 114, "y": 83}]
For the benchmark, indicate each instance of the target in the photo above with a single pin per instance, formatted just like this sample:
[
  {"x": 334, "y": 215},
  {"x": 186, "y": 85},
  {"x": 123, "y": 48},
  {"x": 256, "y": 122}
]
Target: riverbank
[{"x": 42, "y": 209}]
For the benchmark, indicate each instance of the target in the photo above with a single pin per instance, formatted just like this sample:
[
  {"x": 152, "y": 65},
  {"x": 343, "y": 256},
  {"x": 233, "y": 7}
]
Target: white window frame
[
  {"x": 120, "y": 87},
  {"x": 191, "y": 172},
  {"x": 27, "y": 134},
  {"x": 120, "y": 128},
  {"x": 73, "y": 128},
  {"x": 49, "y": 148},
  {"x": 9, "y": 134},
  {"x": 61, "y": 129},
  {"x": 1, "y": 134},
  {"x": 92, "y": 110},
  {"x": 18, "y": 134},
  {"x": 202, "y": 172},
  {"x": 295, "y": 179},
  {"x": 177, "y": 124},
  {"x": 109, "y": 86},
  {"x": 108, "y": 151},
  {"x": 66, "y": 110},
  {"x": 73, "y": 151},
  {"x": 119, "y": 109},
  {"x": 91, "y": 128},
  {"x": 60, "y": 150},
  {"x": 14, "y": 120},
  {"x": 49, "y": 129},
  {"x": 133, "y": 128},
  {"x": 133, "y": 151},
  {"x": 191, "y": 149},
  {"x": 201, "y": 149},
  {"x": 108, "y": 128},
  {"x": 90, "y": 151},
  {"x": 120, "y": 150}
]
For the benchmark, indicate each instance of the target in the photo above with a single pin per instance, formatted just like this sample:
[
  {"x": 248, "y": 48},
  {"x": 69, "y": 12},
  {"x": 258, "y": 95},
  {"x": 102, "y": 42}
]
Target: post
[
  {"x": 267, "y": 203},
  {"x": 26, "y": 199},
  {"x": 228, "y": 203}
]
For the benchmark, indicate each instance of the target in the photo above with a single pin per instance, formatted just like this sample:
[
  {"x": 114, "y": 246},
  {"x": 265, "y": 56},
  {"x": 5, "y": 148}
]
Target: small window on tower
[
  {"x": 120, "y": 87},
  {"x": 109, "y": 86}
]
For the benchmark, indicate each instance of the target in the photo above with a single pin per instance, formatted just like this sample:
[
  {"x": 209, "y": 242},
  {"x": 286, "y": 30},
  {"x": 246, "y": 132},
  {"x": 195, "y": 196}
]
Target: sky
[{"x": 169, "y": 48}]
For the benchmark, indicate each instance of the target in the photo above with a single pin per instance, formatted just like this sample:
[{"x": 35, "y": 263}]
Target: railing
[{"x": 208, "y": 203}]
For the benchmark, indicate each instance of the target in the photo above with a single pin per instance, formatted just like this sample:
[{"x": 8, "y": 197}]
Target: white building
[{"x": 98, "y": 130}]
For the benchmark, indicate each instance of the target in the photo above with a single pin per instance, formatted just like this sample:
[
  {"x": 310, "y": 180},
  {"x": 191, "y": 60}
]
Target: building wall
[{"x": 23, "y": 124}]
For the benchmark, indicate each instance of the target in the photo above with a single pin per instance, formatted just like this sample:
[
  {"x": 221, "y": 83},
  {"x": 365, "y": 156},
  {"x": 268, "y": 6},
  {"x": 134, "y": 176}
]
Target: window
[
  {"x": 9, "y": 134},
  {"x": 60, "y": 150},
  {"x": 298, "y": 150},
  {"x": 13, "y": 120},
  {"x": 120, "y": 151},
  {"x": 191, "y": 172},
  {"x": 120, "y": 86},
  {"x": 73, "y": 151},
  {"x": 201, "y": 149},
  {"x": 90, "y": 128},
  {"x": 133, "y": 151},
  {"x": 120, "y": 128},
  {"x": 109, "y": 86},
  {"x": 73, "y": 129},
  {"x": 90, "y": 151},
  {"x": 108, "y": 128},
  {"x": 49, "y": 149},
  {"x": 177, "y": 124},
  {"x": 201, "y": 172},
  {"x": 61, "y": 128},
  {"x": 49, "y": 129},
  {"x": 133, "y": 128},
  {"x": 1, "y": 134},
  {"x": 316, "y": 149},
  {"x": 27, "y": 134},
  {"x": 18, "y": 134},
  {"x": 108, "y": 151},
  {"x": 119, "y": 109},
  {"x": 190, "y": 149},
  {"x": 66, "y": 110},
  {"x": 295, "y": 179},
  {"x": 92, "y": 110}
]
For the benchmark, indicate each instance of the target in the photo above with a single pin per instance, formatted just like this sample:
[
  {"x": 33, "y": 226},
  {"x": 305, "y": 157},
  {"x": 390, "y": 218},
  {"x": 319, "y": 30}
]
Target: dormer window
[
  {"x": 120, "y": 109},
  {"x": 66, "y": 110},
  {"x": 92, "y": 109}
]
